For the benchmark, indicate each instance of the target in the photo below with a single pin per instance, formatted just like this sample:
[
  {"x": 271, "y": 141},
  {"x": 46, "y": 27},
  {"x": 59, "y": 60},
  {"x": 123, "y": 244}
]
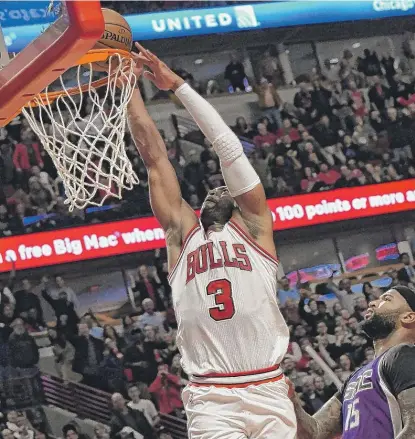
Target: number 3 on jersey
[{"x": 222, "y": 290}]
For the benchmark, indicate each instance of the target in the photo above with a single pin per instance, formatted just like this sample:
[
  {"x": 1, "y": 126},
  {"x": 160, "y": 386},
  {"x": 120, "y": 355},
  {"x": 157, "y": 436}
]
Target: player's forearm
[
  {"x": 208, "y": 119},
  {"x": 325, "y": 424},
  {"x": 306, "y": 424},
  {"x": 144, "y": 132},
  {"x": 406, "y": 400}
]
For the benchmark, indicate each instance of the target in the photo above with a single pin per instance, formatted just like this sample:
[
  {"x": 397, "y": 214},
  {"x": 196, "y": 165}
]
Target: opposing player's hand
[{"x": 161, "y": 75}]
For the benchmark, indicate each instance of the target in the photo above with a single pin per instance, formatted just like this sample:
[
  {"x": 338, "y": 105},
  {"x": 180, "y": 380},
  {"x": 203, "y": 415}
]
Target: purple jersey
[{"x": 370, "y": 409}]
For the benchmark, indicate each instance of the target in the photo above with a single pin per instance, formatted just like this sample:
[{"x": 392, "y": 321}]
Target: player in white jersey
[{"x": 223, "y": 273}]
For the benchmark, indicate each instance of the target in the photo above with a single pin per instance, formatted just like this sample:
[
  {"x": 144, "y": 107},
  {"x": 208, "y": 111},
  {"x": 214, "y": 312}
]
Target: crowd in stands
[
  {"x": 333, "y": 135},
  {"x": 139, "y": 359}
]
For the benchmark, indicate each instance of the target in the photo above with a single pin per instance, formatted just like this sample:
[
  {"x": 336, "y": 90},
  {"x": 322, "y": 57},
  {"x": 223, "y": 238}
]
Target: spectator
[
  {"x": 193, "y": 173},
  {"x": 101, "y": 431},
  {"x": 345, "y": 294},
  {"x": 64, "y": 354},
  {"x": 357, "y": 100},
  {"x": 67, "y": 318},
  {"x": 243, "y": 129},
  {"x": 323, "y": 391},
  {"x": 235, "y": 74},
  {"x": 71, "y": 431},
  {"x": 328, "y": 137},
  {"x": 321, "y": 98},
  {"x": 140, "y": 357},
  {"x": 143, "y": 405},
  {"x": 26, "y": 155},
  {"x": 7, "y": 169},
  {"x": 328, "y": 176},
  {"x": 310, "y": 182},
  {"x": 61, "y": 287},
  {"x": 166, "y": 389},
  {"x": 331, "y": 71},
  {"x": 347, "y": 178},
  {"x": 369, "y": 65},
  {"x": 28, "y": 305},
  {"x": 24, "y": 353},
  {"x": 264, "y": 139},
  {"x": 176, "y": 369},
  {"x": 112, "y": 334},
  {"x": 269, "y": 67},
  {"x": 347, "y": 367},
  {"x": 111, "y": 368},
  {"x": 399, "y": 140},
  {"x": 323, "y": 335},
  {"x": 288, "y": 130},
  {"x": 8, "y": 226},
  {"x": 269, "y": 102},
  {"x": 286, "y": 291},
  {"x": 125, "y": 420},
  {"x": 285, "y": 168},
  {"x": 145, "y": 285},
  {"x": 378, "y": 95},
  {"x": 406, "y": 274},
  {"x": 312, "y": 400},
  {"x": 151, "y": 317},
  {"x": 130, "y": 330},
  {"x": 88, "y": 356},
  {"x": 302, "y": 99}
]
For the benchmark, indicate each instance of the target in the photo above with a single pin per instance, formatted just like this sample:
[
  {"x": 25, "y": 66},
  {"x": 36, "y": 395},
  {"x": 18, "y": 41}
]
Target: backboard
[{"x": 57, "y": 49}]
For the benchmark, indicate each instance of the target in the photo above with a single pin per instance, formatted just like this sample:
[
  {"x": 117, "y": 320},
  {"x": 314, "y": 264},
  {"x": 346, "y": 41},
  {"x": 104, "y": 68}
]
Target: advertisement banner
[
  {"x": 205, "y": 21},
  {"x": 22, "y": 13},
  {"x": 141, "y": 234}
]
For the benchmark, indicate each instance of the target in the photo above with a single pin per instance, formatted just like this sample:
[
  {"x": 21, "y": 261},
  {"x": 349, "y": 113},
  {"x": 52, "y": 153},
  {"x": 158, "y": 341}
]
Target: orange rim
[{"x": 95, "y": 55}]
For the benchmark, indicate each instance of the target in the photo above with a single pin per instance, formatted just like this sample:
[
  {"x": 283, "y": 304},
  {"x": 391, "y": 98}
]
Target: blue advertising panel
[
  {"x": 18, "y": 13},
  {"x": 190, "y": 22}
]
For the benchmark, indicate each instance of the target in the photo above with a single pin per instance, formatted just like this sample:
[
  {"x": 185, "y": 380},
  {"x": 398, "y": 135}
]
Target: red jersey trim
[
  {"x": 252, "y": 243},
  {"x": 186, "y": 240},
  {"x": 241, "y": 385},
  {"x": 240, "y": 374}
]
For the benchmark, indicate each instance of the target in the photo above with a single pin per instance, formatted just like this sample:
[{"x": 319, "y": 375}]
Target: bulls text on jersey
[{"x": 204, "y": 258}]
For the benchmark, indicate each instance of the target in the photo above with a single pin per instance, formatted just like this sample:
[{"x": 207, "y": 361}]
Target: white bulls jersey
[{"x": 224, "y": 294}]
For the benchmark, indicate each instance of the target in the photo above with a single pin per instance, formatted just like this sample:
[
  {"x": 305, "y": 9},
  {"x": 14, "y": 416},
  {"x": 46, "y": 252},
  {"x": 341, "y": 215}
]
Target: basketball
[{"x": 117, "y": 35}]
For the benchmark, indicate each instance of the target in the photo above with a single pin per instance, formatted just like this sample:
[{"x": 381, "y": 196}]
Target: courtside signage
[
  {"x": 24, "y": 23},
  {"x": 141, "y": 234}
]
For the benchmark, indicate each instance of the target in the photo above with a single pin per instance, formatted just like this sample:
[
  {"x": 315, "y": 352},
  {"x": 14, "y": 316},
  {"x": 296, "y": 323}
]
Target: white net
[{"x": 83, "y": 132}]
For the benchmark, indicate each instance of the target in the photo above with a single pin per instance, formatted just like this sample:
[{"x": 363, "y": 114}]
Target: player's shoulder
[
  {"x": 397, "y": 367},
  {"x": 397, "y": 353}
]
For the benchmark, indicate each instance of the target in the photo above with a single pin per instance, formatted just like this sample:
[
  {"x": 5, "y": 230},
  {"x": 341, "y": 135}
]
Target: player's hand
[{"x": 161, "y": 75}]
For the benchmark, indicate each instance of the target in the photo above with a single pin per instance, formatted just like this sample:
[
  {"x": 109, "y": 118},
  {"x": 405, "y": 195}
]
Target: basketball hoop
[{"x": 80, "y": 119}]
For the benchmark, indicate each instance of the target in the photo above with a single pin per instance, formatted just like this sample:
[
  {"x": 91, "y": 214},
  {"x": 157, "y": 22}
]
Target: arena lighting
[
  {"x": 21, "y": 25},
  {"x": 141, "y": 234}
]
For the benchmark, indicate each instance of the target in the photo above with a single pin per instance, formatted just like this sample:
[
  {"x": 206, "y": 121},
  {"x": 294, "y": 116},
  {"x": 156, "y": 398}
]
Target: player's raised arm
[
  {"x": 241, "y": 179},
  {"x": 174, "y": 214}
]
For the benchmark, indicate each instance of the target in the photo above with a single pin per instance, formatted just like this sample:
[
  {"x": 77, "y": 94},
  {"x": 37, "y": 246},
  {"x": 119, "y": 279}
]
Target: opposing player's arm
[
  {"x": 174, "y": 214},
  {"x": 398, "y": 372},
  {"x": 325, "y": 424},
  {"x": 406, "y": 400}
]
